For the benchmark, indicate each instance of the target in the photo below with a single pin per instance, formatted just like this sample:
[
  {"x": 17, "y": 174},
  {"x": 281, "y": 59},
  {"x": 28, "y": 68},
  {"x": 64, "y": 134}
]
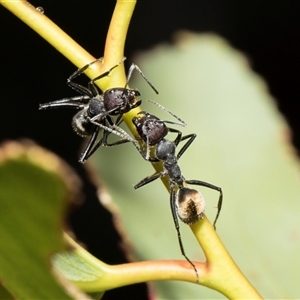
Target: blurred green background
[{"x": 242, "y": 146}]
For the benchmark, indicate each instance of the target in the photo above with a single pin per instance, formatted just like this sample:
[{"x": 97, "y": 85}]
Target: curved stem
[
  {"x": 219, "y": 272},
  {"x": 114, "y": 52},
  {"x": 222, "y": 274},
  {"x": 110, "y": 277},
  {"x": 115, "y": 41}
]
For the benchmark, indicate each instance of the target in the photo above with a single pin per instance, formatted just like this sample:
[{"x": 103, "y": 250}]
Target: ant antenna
[
  {"x": 116, "y": 129},
  {"x": 92, "y": 90},
  {"x": 182, "y": 123},
  {"x": 105, "y": 74},
  {"x": 135, "y": 67},
  {"x": 81, "y": 70}
]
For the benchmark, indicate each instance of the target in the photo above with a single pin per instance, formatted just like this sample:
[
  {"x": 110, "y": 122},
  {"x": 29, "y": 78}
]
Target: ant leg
[
  {"x": 107, "y": 72},
  {"x": 86, "y": 153},
  {"x": 191, "y": 138},
  {"x": 135, "y": 67},
  {"x": 146, "y": 153},
  {"x": 116, "y": 130},
  {"x": 76, "y": 102},
  {"x": 78, "y": 87},
  {"x": 81, "y": 89},
  {"x": 103, "y": 142},
  {"x": 181, "y": 138},
  {"x": 119, "y": 132},
  {"x": 119, "y": 120},
  {"x": 179, "y": 135},
  {"x": 175, "y": 219},
  {"x": 182, "y": 123},
  {"x": 148, "y": 179},
  {"x": 82, "y": 69},
  {"x": 106, "y": 133},
  {"x": 124, "y": 135},
  {"x": 91, "y": 84},
  {"x": 213, "y": 187}
]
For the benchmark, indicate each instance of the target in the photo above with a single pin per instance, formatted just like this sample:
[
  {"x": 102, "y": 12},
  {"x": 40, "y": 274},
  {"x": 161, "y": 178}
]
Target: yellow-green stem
[
  {"x": 130, "y": 273},
  {"x": 115, "y": 40},
  {"x": 222, "y": 273}
]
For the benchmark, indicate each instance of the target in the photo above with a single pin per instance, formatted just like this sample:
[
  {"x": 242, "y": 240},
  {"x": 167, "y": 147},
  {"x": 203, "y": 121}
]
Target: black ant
[
  {"x": 96, "y": 109},
  {"x": 186, "y": 203}
]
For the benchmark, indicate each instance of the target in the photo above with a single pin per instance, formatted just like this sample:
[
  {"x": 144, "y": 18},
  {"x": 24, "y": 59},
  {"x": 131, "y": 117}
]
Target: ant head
[
  {"x": 119, "y": 100},
  {"x": 150, "y": 128},
  {"x": 190, "y": 205}
]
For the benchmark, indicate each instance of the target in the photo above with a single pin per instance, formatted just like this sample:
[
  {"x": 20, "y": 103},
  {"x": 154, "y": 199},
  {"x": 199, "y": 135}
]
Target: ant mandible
[{"x": 96, "y": 109}]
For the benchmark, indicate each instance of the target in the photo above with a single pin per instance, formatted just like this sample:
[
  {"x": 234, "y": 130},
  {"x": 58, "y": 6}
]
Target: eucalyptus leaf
[
  {"x": 74, "y": 267},
  {"x": 242, "y": 146},
  {"x": 32, "y": 201}
]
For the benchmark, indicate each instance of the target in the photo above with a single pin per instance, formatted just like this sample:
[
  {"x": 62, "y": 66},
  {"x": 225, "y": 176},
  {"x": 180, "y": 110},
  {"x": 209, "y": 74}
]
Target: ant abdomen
[
  {"x": 190, "y": 205},
  {"x": 81, "y": 121},
  {"x": 81, "y": 125}
]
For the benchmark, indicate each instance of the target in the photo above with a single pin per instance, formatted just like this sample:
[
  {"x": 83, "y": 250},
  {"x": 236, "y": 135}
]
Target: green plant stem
[
  {"x": 130, "y": 273},
  {"x": 219, "y": 272},
  {"x": 114, "y": 52},
  {"x": 115, "y": 41}
]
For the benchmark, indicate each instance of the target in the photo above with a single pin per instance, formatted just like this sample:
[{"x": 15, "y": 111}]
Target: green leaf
[
  {"x": 75, "y": 267},
  {"x": 242, "y": 146},
  {"x": 80, "y": 267},
  {"x": 33, "y": 197},
  {"x": 4, "y": 294}
]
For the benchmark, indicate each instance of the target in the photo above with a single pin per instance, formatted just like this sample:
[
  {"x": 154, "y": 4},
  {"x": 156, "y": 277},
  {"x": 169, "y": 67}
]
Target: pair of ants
[{"x": 96, "y": 110}]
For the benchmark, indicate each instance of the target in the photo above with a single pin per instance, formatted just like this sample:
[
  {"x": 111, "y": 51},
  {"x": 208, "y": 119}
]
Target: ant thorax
[{"x": 166, "y": 150}]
